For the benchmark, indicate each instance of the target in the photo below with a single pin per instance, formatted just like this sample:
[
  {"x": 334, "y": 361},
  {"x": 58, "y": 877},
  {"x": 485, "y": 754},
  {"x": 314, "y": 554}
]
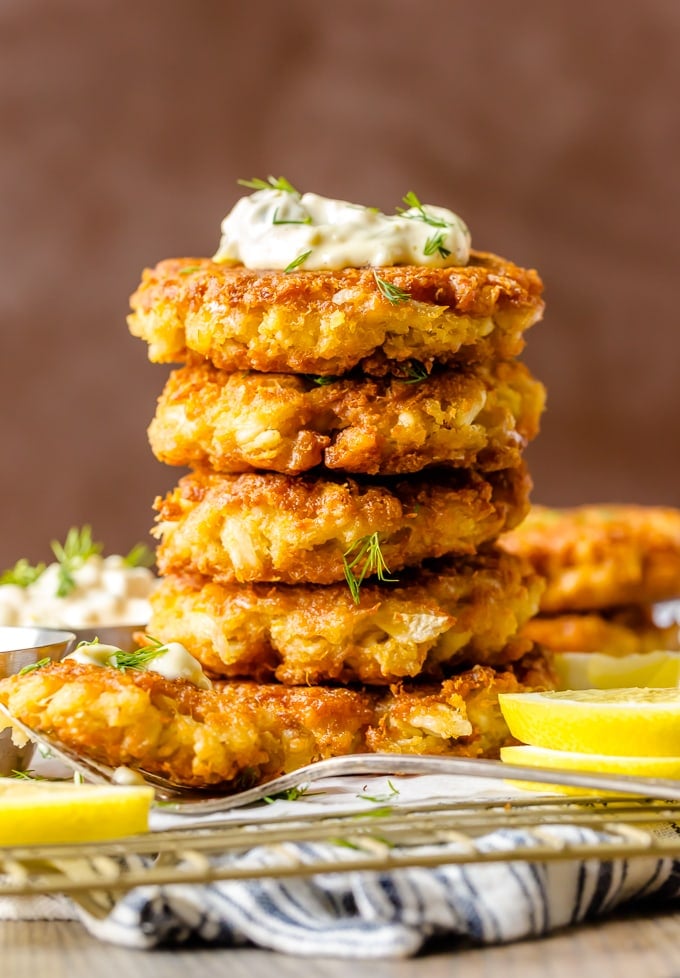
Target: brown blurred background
[{"x": 552, "y": 128}]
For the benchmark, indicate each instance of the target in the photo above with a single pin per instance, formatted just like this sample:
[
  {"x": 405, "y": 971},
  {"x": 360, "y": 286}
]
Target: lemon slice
[
  {"x": 564, "y": 760},
  {"x": 594, "y": 670},
  {"x": 639, "y": 722},
  {"x": 43, "y": 813}
]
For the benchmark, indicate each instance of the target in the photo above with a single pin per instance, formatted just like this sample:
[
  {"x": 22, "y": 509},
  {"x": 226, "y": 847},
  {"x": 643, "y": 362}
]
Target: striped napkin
[
  {"x": 388, "y": 914},
  {"x": 377, "y": 914}
]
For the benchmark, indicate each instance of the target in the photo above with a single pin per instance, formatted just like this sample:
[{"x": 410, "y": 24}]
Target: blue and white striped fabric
[{"x": 388, "y": 914}]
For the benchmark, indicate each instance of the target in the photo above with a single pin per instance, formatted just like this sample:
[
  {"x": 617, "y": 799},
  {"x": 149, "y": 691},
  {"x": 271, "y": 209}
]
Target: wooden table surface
[{"x": 645, "y": 945}]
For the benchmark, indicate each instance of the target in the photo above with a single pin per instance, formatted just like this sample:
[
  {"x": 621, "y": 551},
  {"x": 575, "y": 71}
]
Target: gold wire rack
[{"x": 380, "y": 838}]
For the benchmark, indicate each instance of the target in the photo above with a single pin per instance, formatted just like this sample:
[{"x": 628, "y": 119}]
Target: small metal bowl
[
  {"x": 122, "y": 636},
  {"x": 22, "y": 646}
]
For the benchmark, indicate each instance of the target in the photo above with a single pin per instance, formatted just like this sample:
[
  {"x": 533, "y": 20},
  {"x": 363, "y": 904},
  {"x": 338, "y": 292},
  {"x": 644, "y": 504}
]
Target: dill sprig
[
  {"x": 271, "y": 183},
  {"x": 34, "y": 665},
  {"x": 381, "y": 799},
  {"x": 363, "y": 559},
  {"x": 322, "y": 381},
  {"x": 416, "y": 373},
  {"x": 296, "y": 262},
  {"x": 280, "y": 220},
  {"x": 140, "y": 556},
  {"x": 189, "y": 269},
  {"x": 390, "y": 291},
  {"x": 28, "y": 776},
  {"x": 291, "y": 794},
  {"x": 71, "y": 555},
  {"x": 22, "y": 574},
  {"x": 138, "y": 658},
  {"x": 413, "y": 203},
  {"x": 436, "y": 243}
]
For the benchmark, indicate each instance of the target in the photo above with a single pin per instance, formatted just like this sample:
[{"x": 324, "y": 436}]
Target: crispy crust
[
  {"x": 244, "y": 733},
  {"x": 329, "y": 322},
  {"x": 481, "y": 417},
  {"x": 462, "y": 611},
  {"x": 595, "y": 557},
  {"x": 295, "y": 529},
  {"x": 627, "y": 631}
]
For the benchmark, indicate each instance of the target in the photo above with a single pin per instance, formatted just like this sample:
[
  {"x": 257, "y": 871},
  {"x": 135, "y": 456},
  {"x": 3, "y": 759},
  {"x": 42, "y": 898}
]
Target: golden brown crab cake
[
  {"x": 240, "y": 734},
  {"x": 481, "y": 417},
  {"x": 623, "y": 631},
  {"x": 301, "y": 530},
  {"x": 420, "y": 719},
  {"x": 172, "y": 728},
  {"x": 455, "y": 612},
  {"x": 329, "y": 322},
  {"x": 595, "y": 557}
]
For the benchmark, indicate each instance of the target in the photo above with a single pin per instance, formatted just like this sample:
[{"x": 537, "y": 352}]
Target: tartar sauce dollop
[
  {"x": 171, "y": 660},
  {"x": 282, "y": 229}
]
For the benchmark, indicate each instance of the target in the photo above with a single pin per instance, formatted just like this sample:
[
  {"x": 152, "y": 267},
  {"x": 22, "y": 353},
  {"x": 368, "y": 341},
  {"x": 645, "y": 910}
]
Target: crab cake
[
  {"x": 623, "y": 631},
  {"x": 465, "y": 610},
  {"x": 595, "y": 557},
  {"x": 298, "y": 529},
  {"x": 329, "y": 322},
  {"x": 481, "y": 417},
  {"x": 239, "y": 734}
]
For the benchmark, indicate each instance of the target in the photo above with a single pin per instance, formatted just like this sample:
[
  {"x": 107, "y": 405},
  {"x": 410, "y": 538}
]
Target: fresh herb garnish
[
  {"x": 436, "y": 243},
  {"x": 27, "y": 776},
  {"x": 322, "y": 381},
  {"x": 138, "y": 658},
  {"x": 292, "y": 794},
  {"x": 296, "y": 262},
  {"x": 391, "y": 292},
  {"x": 140, "y": 556},
  {"x": 22, "y": 574},
  {"x": 362, "y": 559},
  {"x": 413, "y": 203},
  {"x": 381, "y": 799},
  {"x": 71, "y": 555},
  {"x": 279, "y": 220},
  {"x": 271, "y": 183},
  {"x": 189, "y": 269},
  {"x": 415, "y": 373},
  {"x": 34, "y": 665}
]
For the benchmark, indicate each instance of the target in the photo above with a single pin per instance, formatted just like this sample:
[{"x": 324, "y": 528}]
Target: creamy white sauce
[
  {"x": 93, "y": 654},
  {"x": 127, "y": 776},
  {"x": 337, "y": 234},
  {"x": 173, "y": 661},
  {"x": 107, "y": 592},
  {"x": 177, "y": 663}
]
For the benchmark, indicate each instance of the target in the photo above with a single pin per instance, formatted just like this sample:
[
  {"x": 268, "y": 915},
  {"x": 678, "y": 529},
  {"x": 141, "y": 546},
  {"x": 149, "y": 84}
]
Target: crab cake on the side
[
  {"x": 465, "y": 610},
  {"x": 297, "y": 529},
  {"x": 623, "y": 631},
  {"x": 481, "y": 417},
  {"x": 240, "y": 734},
  {"x": 595, "y": 557},
  {"x": 328, "y": 322}
]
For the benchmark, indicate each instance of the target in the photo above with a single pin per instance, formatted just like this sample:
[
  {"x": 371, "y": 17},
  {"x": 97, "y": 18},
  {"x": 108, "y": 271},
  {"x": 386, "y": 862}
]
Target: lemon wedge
[
  {"x": 34, "y": 813},
  {"x": 594, "y": 670},
  {"x": 564, "y": 760},
  {"x": 639, "y": 722}
]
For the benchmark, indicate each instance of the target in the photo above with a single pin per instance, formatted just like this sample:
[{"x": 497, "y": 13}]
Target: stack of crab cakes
[{"x": 355, "y": 439}]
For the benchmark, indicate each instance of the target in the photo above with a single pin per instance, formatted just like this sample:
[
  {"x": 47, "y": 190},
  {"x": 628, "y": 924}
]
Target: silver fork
[{"x": 181, "y": 800}]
